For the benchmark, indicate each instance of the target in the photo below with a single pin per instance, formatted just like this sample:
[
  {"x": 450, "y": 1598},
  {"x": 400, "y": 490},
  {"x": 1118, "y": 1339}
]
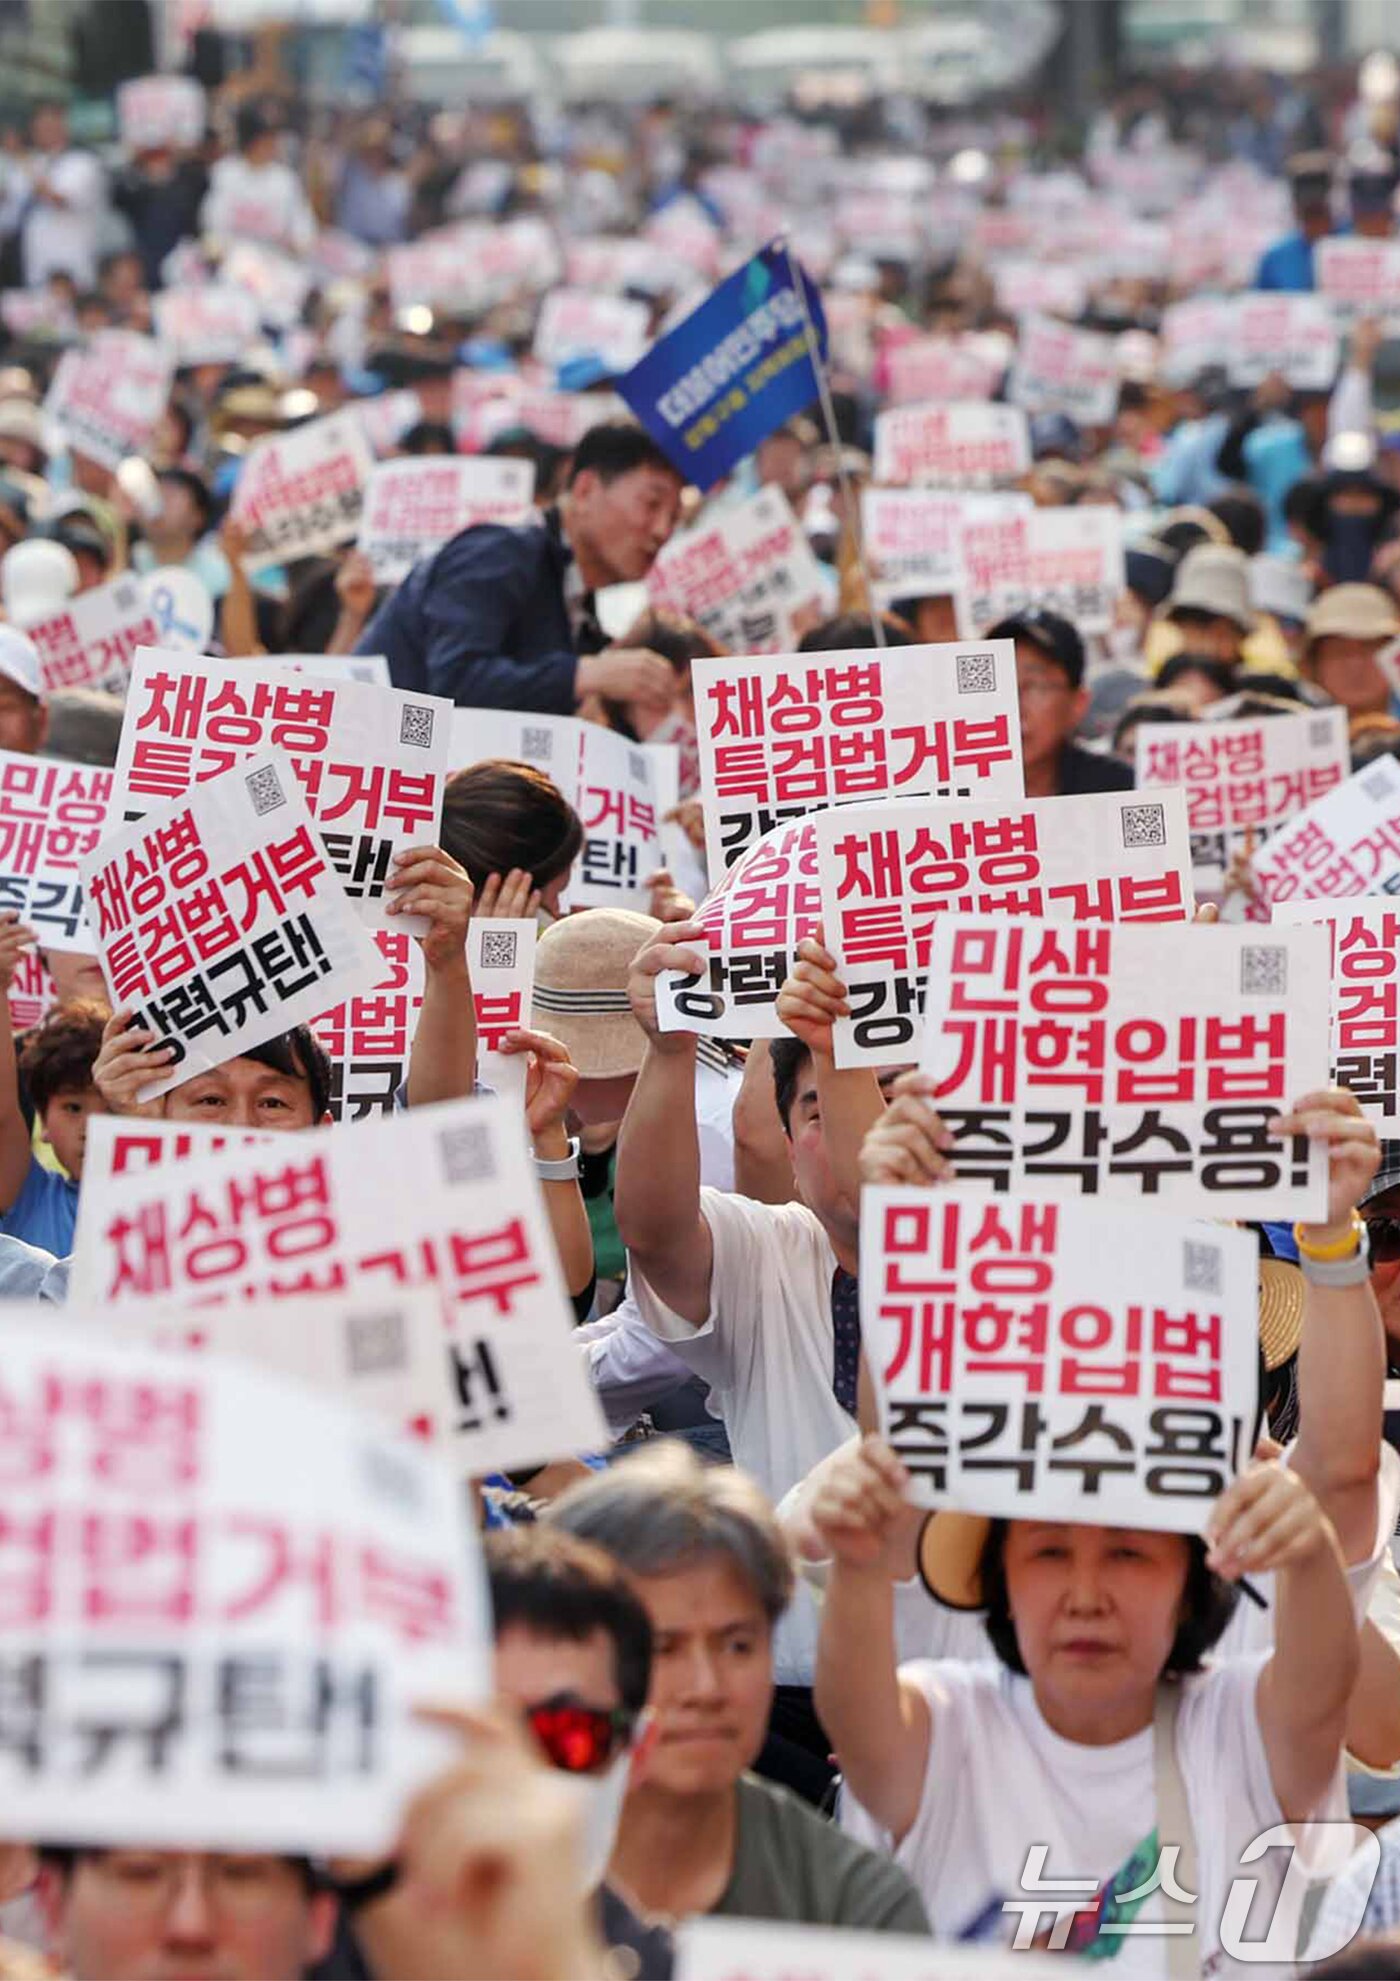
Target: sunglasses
[
  {"x": 579, "y": 1739},
  {"x": 1384, "y": 1236}
]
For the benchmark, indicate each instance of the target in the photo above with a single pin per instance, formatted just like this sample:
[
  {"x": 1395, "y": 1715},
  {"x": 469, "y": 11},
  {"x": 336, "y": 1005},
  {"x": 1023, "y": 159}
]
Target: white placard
[
  {"x": 90, "y": 642},
  {"x": 1062, "y": 370},
  {"x": 745, "y": 571},
  {"x": 959, "y": 446},
  {"x": 939, "y": 368},
  {"x": 1359, "y": 277},
  {"x": 887, "y": 872},
  {"x": 179, "y": 602},
  {"x": 1130, "y": 1062},
  {"x": 1364, "y": 939},
  {"x": 575, "y": 324},
  {"x": 240, "y": 1593},
  {"x": 371, "y": 762},
  {"x": 414, "y": 506},
  {"x": 278, "y": 283},
  {"x": 1044, "y": 1359},
  {"x": 1243, "y": 780},
  {"x": 913, "y": 537},
  {"x": 156, "y": 113},
  {"x": 106, "y": 397},
  {"x": 301, "y": 493},
  {"x": 220, "y": 922},
  {"x": 1068, "y": 561},
  {"x": 1295, "y": 336},
  {"x": 786, "y": 735},
  {"x": 209, "y": 323},
  {"x": 1031, "y": 285},
  {"x": 52, "y": 815},
  {"x": 1347, "y": 843},
  {"x": 441, "y": 1196}
]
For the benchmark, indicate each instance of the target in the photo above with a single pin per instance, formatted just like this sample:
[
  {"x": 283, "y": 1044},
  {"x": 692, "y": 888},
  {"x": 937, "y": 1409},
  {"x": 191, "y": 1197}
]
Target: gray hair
[{"x": 660, "y": 1510}]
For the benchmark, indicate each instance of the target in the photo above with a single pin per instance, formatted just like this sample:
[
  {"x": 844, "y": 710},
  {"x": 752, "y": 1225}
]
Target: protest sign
[
  {"x": 32, "y": 991},
  {"x": 159, "y": 113},
  {"x": 1028, "y": 285},
  {"x": 1128, "y": 1061},
  {"x": 381, "y": 1351},
  {"x": 753, "y": 919},
  {"x": 711, "y": 1949},
  {"x": 388, "y": 418},
  {"x": 887, "y": 872},
  {"x": 1347, "y": 842},
  {"x": 221, "y": 922},
  {"x": 371, "y": 762},
  {"x": 610, "y": 781},
  {"x": 1020, "y": 1370},
  {"x": 412, "y": 507},
  {"x": 1242, "y": 780},
  {"x": 1068, "y": 561},
  {"x": 239, "y": 1593},
  {"x": 277, "y": 283},
  {"x": 1358, "y": 277},
  {"x": 1295, "y": 336},
  {"x": 435, "y": 1196},
  {"x": 561, "y": 418},
  {"x": 574, "y": 325},
  {"x": 786, "y": 735},
  {"x": 118, "y": 1144},
  {"x": 51, "y": 816},
  {"x": 301, "y": 493},
  {"x": 746, "y": 572},
  {"x": 939, "y": 368},
  {"x": 913, "y": 537},
  {"x": 1365, "y": 976},
  {"x": 960, "y": 446},
  {"x": 107, "y": 395},
  {"x": 1058, "y": 369},
  {"x": 369, "y": 1037},
  {"x": 206, "y": 324},
  {"x": 732, "y": 370},
  {"x": 37, "y": 313},
  {"x": 371, "y": 670},
  {"x": 180, "y": 604},
  {"x": 1196, "y": 335},
  {"x": 90, "y": 641}
]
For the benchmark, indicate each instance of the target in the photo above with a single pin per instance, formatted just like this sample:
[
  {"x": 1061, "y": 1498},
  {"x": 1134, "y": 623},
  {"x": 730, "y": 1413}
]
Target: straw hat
[
  {"x": 951, "y": 1543},
  {"x": 581, "y": 966}
]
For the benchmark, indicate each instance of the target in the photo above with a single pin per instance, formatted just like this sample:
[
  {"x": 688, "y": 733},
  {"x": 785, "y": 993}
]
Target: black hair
[
  {"x": 63, "y": 1857},
  {"x": 1222, "y": 673},
  {"x": 1184, "y": 535},
  {"x": 58, "y": 1054},
  {"x": 675, "y": 637},
  {"x": 497, "y": 815},
  {"x": 852, "y": 629},
  {"x": 551, "y": 1583},
  {"x": 300, "y": 1055},
  {"x": 788, "y": 1057},
  {"x": 616, "y": 447},
  {"x": 1144, "y": 709},
  {"x": 195, "y": 487},
  {"x": 428, "y": 437},
  {"x": 1242, "y": 513},
  {"x": 1363, "y": 1960},
  {"x": 1208, "y": 1603}
]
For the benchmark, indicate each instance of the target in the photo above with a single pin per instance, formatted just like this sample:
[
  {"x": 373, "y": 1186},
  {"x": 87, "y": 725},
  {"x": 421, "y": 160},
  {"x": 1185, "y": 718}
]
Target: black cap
[{"x": 1055, "y": 637}]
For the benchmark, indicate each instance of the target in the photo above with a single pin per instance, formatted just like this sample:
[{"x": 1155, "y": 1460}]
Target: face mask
[
  {"x": 1351, "y": 544},
  {"x": 602, "y": 1797}
]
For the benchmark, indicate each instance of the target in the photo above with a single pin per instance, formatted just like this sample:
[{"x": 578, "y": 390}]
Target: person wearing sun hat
[
  {"x": 24, "y": 717},
  {"x": 928, "y": 1751},
  {"x": 1346, "y": 629}
]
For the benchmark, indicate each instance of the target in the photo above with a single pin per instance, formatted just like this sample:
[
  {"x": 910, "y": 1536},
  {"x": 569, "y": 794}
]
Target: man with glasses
[{"x": 1054, "y": 700}]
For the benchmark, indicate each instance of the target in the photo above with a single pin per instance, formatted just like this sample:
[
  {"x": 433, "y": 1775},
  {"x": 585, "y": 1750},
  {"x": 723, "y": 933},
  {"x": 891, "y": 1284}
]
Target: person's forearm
[
  {"x": 442, "y": 1065},
  {"x": 762, "y": 1158},
  {"x": 1310, "y": 1676},
  {"x": 656, "y": 1197},
  {"x": 851, "y": 1103},
  {"x": 238, "y": 615},
  {"x": 1373, "y": 1710},
  {"x": 1341, "y": 1377},
  {"x": 15, "y": 1145},
  {"x": 568, "y": 1215},
  {"x": 347, "y": 629},
  {"x": 857, "y": 1695}
]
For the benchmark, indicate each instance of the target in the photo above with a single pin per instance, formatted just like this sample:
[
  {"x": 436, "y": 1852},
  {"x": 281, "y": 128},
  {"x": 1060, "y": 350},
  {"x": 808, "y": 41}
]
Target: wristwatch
[{"x": 559, "y": 1169}]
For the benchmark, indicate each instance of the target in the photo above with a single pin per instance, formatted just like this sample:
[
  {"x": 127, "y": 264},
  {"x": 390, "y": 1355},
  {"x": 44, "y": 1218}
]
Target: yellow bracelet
[{"x": 1341, "y": 1248}]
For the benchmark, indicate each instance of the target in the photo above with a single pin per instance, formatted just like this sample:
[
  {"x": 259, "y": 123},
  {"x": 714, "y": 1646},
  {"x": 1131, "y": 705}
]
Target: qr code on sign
[
  {"x": 1200, "y": 1267},
  {"x": 416, "y": 727},
  {"x": 375, "y": 1344},
  {"x": 1263, "y": 971},
  {"x": 977, "y": 673},
  {"x": 1320, "y": 732},
  {"x": 498, "y": 949},
  {"x": 264, "y": 789},
  {"x": 1378, "y": 786},
  {"x": 536, "y": 745},
  {"x": 467, "y": 1154},
  {"x": 1144, "y": 825}
]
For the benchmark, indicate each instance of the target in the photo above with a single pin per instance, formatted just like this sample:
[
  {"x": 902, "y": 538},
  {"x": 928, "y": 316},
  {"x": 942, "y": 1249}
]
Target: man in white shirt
[
  {"x": 68, "y": 200},
  {"x": 255, "y": 195},
  {"x": 758, "y": 1299}
]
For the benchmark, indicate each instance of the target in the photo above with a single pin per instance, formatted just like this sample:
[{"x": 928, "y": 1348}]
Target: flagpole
[{"x": 849, "y": 502}]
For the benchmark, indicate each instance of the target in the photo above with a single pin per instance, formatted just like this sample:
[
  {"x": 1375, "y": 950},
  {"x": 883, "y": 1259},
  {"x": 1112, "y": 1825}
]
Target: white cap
[
  {"x": 36, "y": 578},
  {"x": 19, "y": 661}
]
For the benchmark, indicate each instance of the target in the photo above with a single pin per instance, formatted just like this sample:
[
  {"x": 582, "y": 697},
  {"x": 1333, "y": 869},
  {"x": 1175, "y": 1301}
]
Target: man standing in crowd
[
  {"x": 504, "y": 615},
  {"x": 1050, "y": 682}
]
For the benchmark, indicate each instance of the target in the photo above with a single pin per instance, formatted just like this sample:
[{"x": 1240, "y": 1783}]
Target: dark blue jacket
[{"x": 483, "y": 622}]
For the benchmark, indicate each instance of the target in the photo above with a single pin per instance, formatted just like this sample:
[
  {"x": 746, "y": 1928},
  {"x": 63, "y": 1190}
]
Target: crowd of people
[{"x": 787, "y": 1689}]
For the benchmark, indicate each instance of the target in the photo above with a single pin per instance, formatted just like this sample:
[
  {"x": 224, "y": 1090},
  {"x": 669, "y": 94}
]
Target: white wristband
[{"x": 561, "y": 1169}]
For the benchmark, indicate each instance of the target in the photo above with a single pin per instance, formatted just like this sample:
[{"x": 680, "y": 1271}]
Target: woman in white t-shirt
[{"x": 1100, "y": 1739}]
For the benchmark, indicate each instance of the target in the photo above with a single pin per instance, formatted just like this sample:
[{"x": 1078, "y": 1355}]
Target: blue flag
[{"x": 735, "y": 369}]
